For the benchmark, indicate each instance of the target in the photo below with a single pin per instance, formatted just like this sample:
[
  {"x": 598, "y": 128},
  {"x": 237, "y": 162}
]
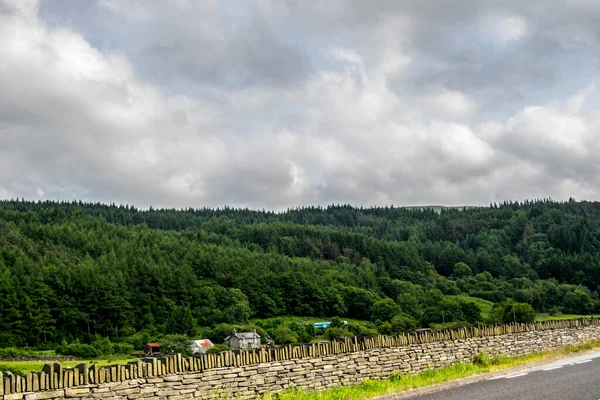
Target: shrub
[
  {"x": 500, "y": 359},
  {"x": 103, "y": 345},
  {"x": 13, "y": 370},
  {"x": 218, "y": 348},
  {"x": 362, "y": 330},
  {"x": 139, "y": 339},
  {"x": 336, "y": 333},
  {"x": 122, "y": 348},
  {"x": 284, "y": 335},
  {"x": 396, "y": 376},
  {"x": 12, "y": 352},
  {"x": 518, "y": 312},
  {"x": 482, "y": 359},
  {"x": 176, "y": 344},
  {"x": 403, "y": 323},
  {"x": 81, "y": 350}
]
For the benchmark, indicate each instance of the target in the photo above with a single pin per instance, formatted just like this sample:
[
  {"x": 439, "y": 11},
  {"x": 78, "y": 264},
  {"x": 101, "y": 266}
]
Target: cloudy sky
[{"x": 279, "y": 103}]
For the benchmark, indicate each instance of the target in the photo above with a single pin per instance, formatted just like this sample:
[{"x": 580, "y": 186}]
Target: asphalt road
[{"x": 575, "y": 378}]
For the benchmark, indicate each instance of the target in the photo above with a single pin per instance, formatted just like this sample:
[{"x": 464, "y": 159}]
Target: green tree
[
  {"x": 577, "y": 302},
  {"x": 337, "y": 333},
  {"x": 385, "y": 310},
  {"x": 461, "y": 270},
  {"x": 181, "y": 322},
  {"x": 518, "y": 312},
  {"x": 403, "y": 323},
  {"x": 176, "y": 344},
  {"x": 284, "y": 335}
]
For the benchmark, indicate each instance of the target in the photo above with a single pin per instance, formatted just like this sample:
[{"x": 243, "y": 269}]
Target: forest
[{"x": 77, "y": 273}]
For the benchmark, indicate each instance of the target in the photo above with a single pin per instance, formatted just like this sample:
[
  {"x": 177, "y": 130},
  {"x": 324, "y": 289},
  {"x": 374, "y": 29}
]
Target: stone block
[
  {"x": 81, "y": 392},
  {"x": 181, "y": 397},
  {"x": 127, "y": 392},
  {"x": 163, "y": 393},
  {"x": 173, "y": 378},
  {"x": 53, "y": 394},
  {"x": 14, "y": 396}
]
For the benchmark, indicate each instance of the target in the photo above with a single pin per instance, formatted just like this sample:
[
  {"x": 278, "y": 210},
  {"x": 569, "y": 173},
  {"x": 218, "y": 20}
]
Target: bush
[
  {"x": 103, "y": 345},
  {"x": 384, "y": 328},
  {"x": 336, "y": 333},
  {"x": 518, "y": 312},
  {"x": 176, "y": 344},
  {"x": 139, "y": 339},
  {"x": 384, "y": 310},
  {"x": 122, "y": 348},
  {"x": 13, "y": 352},
  {"x": 402, "y": 323},
  {"x": 218, "y": 348},
  {"x": 284, "y": 335},
  {"x": 396, "y": 376},
  {"x": 482, "y": 359},
  {"x": 81, "y": 350},
  {"x": 13, "y": 370},
  {"x": 554, "y": 311},
  {"x": 500, "y": 359},
  {"x": 362, "y": 330}
]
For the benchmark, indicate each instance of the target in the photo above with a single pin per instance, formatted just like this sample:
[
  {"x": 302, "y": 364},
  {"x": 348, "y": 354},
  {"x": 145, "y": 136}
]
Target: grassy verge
[
  {"x": 28, "y": 366},
  {"x": 400, "y": 383}
]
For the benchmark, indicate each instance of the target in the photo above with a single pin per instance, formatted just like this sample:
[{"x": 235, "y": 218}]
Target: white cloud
[
  {"x": 450, "y": 103},
  {"x": 541, "y": 129},
  {"x": 505, "y": 29}
]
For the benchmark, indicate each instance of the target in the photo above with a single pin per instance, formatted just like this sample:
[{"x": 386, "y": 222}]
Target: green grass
[
  {"x": 400, "y": 383},
  {"x": 29, "y": 366},
  {"x": 484, "y": 305},
  {"x": 546, "y": 317}
]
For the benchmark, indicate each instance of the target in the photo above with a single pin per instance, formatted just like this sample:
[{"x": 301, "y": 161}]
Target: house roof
[
  {"x": 153, "y": 344},
  {"x": 203, "y": 343},
  {"x": 244, "y": 335}
]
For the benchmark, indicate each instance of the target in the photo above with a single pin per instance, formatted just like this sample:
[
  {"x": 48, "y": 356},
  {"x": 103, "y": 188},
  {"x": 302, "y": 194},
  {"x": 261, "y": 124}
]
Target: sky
[{"x": 283, "y": 103}]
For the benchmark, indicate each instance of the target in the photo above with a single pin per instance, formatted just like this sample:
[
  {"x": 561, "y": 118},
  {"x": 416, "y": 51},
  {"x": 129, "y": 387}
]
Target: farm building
[
  {"x": 151, "y": 348},
  {"x": 237, "y": 341},
  {"x": 201, "y": 346}
]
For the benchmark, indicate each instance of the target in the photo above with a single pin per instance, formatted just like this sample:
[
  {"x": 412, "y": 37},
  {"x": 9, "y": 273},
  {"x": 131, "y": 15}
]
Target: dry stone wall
[{"x": 251, "y": 374}]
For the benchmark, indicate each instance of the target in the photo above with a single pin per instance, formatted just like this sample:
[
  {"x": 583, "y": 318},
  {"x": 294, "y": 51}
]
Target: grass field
[
  {"x": 484, "y": 305},
  {"x": 546, "y": 317},
  {"x": 400, "y": 383},
  {"x": 28, "y": 366}
]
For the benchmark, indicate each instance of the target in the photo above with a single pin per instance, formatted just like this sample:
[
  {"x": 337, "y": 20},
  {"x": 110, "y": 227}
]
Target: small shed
[
  {"x": 151, "y": 348},
  {"x": 201, "y": 346},
  {"x": 245, "y": 340}
]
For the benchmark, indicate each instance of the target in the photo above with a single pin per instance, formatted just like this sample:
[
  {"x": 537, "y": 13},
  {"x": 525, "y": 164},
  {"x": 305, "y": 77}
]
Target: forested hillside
[{"x": 73, "y": 270}]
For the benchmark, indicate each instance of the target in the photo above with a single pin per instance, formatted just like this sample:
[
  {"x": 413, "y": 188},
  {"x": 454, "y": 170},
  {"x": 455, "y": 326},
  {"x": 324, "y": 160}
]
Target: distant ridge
[{"x": 438, "y": 209}]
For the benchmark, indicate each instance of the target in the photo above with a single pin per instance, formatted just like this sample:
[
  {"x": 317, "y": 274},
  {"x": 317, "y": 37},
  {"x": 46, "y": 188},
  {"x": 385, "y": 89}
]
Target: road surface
[{"x": 573, "y": 378}]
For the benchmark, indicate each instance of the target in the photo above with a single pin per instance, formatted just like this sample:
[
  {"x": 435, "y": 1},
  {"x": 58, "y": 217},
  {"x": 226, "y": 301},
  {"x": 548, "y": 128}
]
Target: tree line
[{"x": 73, "y": 271}]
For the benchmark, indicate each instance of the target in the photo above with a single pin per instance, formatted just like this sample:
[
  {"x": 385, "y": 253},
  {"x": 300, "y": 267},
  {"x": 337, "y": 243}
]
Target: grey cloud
[
  {"x": 278, "y": 104},
  {"x": 188, "y": 45}
]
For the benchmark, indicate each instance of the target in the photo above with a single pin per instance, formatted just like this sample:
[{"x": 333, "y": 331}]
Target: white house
[
  {"x": 201, "y": 346},
  {"x": 237, "y": 341}
]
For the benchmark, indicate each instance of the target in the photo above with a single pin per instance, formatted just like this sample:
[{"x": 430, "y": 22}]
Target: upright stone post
[
  {"x": 84, "y": 377},
  {"x": 49, "y": 370},
  {"x": 58, "y": 371}
]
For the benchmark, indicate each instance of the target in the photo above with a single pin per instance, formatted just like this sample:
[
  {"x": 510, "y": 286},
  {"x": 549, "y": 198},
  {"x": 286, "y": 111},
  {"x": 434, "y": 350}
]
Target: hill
[{"x": 72, "y": 270}]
